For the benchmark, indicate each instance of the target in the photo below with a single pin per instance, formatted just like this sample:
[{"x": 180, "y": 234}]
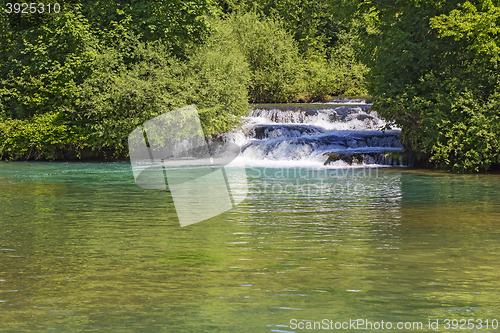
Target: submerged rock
[{"x": 382, "y": 158}]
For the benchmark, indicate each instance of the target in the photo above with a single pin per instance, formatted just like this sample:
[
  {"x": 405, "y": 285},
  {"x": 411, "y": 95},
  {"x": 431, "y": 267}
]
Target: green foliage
[
  {"x": 469, "y": 134},
  {"x": 42, "y": 64},
  {"x": 178, "y": 24},
  {"x": 480, "y": 28},
  {"x": 314, "y": 24},
  {"x": 272, "y": 55},
  {"x": 118, "y": 97},
  {"x": 220, "y": 76},
  {"x": 349, "y": 74},
  {"x": 278, "y": 70},
  {"x": 340, "y": 76},
  {"x": 298, "y": 50},
  {"x": 473, "y": 143},
  {"x": 43, "y": 136},
  {"x": 318, "y": 80},
  {"x": 430, "y": 75},
  {"x": 99, "y": 70}
]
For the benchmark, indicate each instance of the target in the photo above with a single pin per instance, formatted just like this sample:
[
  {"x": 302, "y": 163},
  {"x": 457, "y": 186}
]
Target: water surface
[{"x": 83, "y": 249}]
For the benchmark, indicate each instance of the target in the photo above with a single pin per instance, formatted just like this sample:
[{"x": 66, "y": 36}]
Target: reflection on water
[{"x": 82, "y": 248}]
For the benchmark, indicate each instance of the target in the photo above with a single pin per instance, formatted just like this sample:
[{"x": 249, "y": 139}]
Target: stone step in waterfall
[{"x": 327, "y": 134}]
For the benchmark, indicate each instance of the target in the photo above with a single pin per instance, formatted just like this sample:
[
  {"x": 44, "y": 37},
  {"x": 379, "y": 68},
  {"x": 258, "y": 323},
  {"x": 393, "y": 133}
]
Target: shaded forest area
[{"x": 74, "y": 84}]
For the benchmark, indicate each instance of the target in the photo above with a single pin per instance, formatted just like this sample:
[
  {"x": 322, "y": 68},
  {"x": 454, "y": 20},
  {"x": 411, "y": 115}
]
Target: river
[{"x": 84, "y": 249}]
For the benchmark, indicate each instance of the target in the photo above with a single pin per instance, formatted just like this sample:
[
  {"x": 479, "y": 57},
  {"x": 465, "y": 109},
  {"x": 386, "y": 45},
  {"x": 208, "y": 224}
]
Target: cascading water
[{"x": 322, "y": 134}]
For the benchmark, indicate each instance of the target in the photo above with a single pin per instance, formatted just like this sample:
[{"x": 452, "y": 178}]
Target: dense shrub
[
  {"x": 43, "y": 136},
  {"x": 313, "y": 24},
  {"x": 433, "y": 69},
  {"x": 272, "y": 55},
  {"x": 279, "y": 72},
  {"x": 219, "y": 75},
  {"x": 178, "y": 24},
  {"x": 90, "y": 75},
  {"x": 42, "y": 61},
  {"x": 348, "y": 73},
  {"x": 118, "y": 97},
  {"x": 339, "y": 74},
  {"x": 471, "y": 143}
]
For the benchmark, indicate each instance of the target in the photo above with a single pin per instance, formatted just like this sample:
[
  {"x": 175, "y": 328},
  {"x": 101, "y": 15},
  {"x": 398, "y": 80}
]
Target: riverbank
[{"x": 338, "y": 133}]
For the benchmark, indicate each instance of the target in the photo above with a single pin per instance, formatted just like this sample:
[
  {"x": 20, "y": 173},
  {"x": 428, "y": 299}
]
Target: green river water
[{"x": 83, "y": 249}]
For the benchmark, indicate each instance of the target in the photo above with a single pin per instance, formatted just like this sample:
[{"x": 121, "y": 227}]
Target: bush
[
  {"x": 340, "y": 75},
  {"x": 281, "y": 74},
  {"x": 348, "y": 73},
  {"x": 317, "y": 80},
  {"x": 434, "y": 71},
  {"x": 118, "y": 97},
  {"x": 43, "y": 136},
  {"x": 220, "y": 76},
  {"x": 43, "y": 60},
  {"x": 471, "y": 143},
  {"x": 272, "y": 55}
]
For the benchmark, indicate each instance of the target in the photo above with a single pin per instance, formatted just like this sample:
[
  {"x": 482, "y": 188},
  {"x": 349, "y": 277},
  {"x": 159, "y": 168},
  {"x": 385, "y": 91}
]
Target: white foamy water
[{"x": 294, "y": 136}]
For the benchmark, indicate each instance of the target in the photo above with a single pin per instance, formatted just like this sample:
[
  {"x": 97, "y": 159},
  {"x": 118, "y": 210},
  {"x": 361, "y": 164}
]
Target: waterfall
[{"x": 323, "y": 135}]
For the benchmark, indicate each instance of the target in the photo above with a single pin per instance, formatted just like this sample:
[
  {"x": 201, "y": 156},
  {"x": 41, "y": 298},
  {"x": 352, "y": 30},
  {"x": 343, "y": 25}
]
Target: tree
[
  {"x": 46, "y": 56},
  {"x": 178, "y": 24},
  {"x": 314, "y": 24},
  {"x": 472, "y": 142},
  {"x": 433, "y": 86}
]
